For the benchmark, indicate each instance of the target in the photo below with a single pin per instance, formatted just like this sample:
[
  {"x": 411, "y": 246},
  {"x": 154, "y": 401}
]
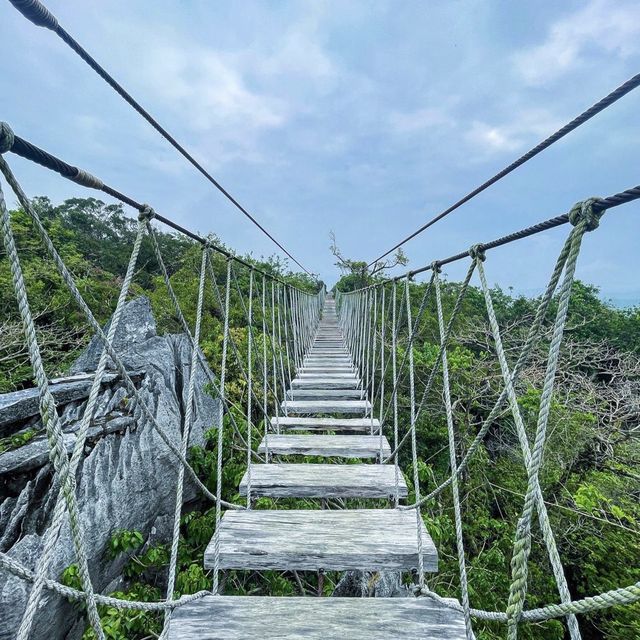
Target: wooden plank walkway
[
  {"x": 247, "y": 617},
  {"x": 339, "y": 425},
  {"x": 329, "y": 446},
  {"x": 326, "y": 399},
  {"x": 324, "y": 481},
  {"x": 348, "y": 539},
  {"x": 326, "y": 406}
]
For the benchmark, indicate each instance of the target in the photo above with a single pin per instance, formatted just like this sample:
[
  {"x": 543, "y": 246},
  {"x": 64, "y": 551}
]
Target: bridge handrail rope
[
  {"x": 583, "y": 217},
  {"x": 11, "y": 142},
  {"x": 64, "y": 468},
  {"x": 615, "y": 95}
]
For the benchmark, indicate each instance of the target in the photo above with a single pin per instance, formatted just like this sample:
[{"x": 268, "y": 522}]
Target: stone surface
[
  {"x": 126, "y": 481},
  {"x": 21, "y": 405}
]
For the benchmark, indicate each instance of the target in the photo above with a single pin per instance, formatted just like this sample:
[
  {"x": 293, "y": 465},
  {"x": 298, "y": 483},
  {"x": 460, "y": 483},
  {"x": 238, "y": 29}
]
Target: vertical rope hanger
[
  {"x": 249, "y": 388},
  {"x": 223, "y": 372},
  {"x": 186, "y": 432}
]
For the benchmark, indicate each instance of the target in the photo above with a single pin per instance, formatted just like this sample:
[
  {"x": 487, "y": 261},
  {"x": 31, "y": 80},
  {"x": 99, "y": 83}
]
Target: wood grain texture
[
  {"x": 340, "y": 446},
  {"x": 343, "y": 540},
  {"x": 340, "y": 425},
  {"x": 326, "y": 406},
  {"x": 249, "y": 617},
  {"x": 324, "y": 394},
  {"x": 324, "y": 481},
  {"x": 346, "y": 371}
]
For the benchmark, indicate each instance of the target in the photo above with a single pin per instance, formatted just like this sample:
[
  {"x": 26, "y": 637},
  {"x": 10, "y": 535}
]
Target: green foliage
[
  {"x": 590, "y": 475},
  {"x": 17, "y": 440},
  {"x": 123, "y": 541}
]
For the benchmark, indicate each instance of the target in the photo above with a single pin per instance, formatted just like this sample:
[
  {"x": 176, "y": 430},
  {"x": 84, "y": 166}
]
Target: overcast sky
[{"x": 365, "y": 118}]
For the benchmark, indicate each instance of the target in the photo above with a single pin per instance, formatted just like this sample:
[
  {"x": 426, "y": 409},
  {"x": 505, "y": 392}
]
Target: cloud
[
  {"x": 525, "y": 127},
  {"x": 420, "y": 120},
  {"x": 608, "y": 26},
  {"x": 208, "y": 90}
]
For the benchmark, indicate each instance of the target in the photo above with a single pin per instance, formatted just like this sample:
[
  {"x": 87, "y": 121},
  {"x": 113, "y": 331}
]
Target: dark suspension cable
[
  {"x": 607, "y": 101},
  {"x": 37, "y": 13},
  {"x": 23, "y": 148}
]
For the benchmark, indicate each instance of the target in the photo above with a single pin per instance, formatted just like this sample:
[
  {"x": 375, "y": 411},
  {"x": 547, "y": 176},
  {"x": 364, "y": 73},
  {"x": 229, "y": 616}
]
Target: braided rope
[
  {"x": 522, "y": 544},
  {"x": 223, "y": 373},
  {"x": 414, "y": 442},
  {"x": 265, "y": 374},
  {"x": 57, "y": 451},
  {"x": 249, "y": 387},
  {"x": 530, "y": 341},
  {"x": 95, "y": 326},
  {"x": 462, "y": 568},
  {"x": 186, "y": 431},
  {"x": 541, "y": 508}
]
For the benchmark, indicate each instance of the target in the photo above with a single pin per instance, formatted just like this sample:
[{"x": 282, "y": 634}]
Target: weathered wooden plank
[
  {"x": 323, "y": 372},
  {"x": 342, "y": 446},
  {"x": 326, "y": 406},
  {"x": 340, "y": 540},
  {"x": 324, "y": 481},
  {"x": 340, "y": 425},
  {"x": 268, "y": 618},
  {"x": 324, "y": 394},
  {"x": 326, "y": 382}
]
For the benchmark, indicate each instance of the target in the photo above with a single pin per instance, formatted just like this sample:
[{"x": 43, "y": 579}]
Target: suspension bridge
[{"x": 323, "y": 375}]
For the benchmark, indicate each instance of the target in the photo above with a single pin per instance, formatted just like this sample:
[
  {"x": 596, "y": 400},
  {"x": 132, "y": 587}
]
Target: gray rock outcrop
[{"x": 127, "y": 479}]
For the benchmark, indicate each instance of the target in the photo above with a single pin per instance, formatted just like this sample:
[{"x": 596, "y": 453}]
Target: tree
[{"x": 356, "y": 273}]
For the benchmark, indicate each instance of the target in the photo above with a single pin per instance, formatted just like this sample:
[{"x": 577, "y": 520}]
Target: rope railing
[
  {"x": 352, "y": 308},
  {"x": 281, "y": 304}
]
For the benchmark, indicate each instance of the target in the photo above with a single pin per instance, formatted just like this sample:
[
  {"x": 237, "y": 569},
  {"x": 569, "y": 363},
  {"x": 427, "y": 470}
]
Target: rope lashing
[
  {"x": 477, "y": 252},
  {"x": 146, "y": 213},
  {"x": 7, "y": 137},
  {"x": 588, "y": 212}
]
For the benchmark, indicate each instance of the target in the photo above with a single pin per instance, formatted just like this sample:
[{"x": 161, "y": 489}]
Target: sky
[{"x": 357, "y": 117}]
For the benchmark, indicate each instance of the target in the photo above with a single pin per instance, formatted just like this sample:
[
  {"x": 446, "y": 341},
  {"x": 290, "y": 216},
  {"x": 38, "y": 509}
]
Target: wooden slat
[
  {"x": 323, "y": 372},
  {"x": 339, "y": 425},
  {"x": 324, "y": 481},
  {"x": 326, "y": 406},
  {"x": 342, "y": 446},
  {"x": 268, "y": 618},
  {"x": 324, "y": 394},
  {"x": 341, "y": 540},
  {"x": 326, "y": 383}
]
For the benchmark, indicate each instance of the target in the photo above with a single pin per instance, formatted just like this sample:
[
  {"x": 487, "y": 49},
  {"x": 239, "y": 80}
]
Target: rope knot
[
  {"x": 585, "y": 211},
  {"x": 146, "y": 213},
  {"x": 476, "y": 252},
  {"x": 435, "y": 267},
  {"x": 7, "y": 137}
]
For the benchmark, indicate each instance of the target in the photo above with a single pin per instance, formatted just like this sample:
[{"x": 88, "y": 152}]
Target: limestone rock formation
[{"x": 128, "y": 476}]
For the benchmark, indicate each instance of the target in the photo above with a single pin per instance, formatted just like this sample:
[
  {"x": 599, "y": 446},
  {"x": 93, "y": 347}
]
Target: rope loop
[
  {"x": 435, "y": 267},
  {"x": 477, "y": 252},
  {"x": 6, "y": 137},
  {"x": 585, "y": 211},
  {"x": 146, "y": 212}
]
